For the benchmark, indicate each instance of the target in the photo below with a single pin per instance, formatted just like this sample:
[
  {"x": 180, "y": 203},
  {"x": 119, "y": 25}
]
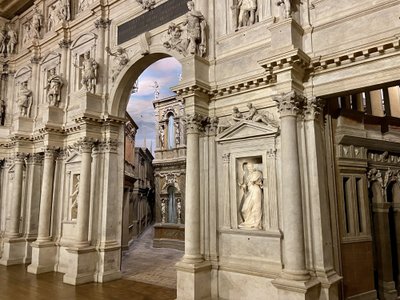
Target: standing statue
[
  {"x": 12, "y": 39},
  {"x": 164, "y": 214},
  {"x": 53, "y": 87},
  {"x": 285, "y": 8},
  {"x": 36, "y": 23},
  {"x": 161, "y": 136},
  {"x": 247, "y": 12},
  {"x": 196, "y": 30},
  {"x": 251, "y": 207},
  {"x": 24, "y": 99},
  {"x": 3, "y": 40},
  {"x": 26, "y": 33},
  {"x": 88, "y": 72},
  {"x": 52, "y": 18},
  {"x": 74, "y": 198},
  {"x": 120, "y": 60},
  {"x": 83, "y": 4},
  {"x": 156, "y": 87},
  {"x": 64, "y": 9},
  {"x": 177, "y": 134}
]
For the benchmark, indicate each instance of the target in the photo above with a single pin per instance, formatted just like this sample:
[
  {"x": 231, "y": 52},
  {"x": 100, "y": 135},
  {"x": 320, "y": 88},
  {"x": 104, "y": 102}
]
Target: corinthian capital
[
  {"x": 289, "y": 104},
  {"x": 313, "y": 108},
  {"x": 193, "y": 123}
]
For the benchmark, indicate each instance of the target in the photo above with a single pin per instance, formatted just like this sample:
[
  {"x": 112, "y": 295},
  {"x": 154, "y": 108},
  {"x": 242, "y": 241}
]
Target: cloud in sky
[{"x": 140, "y": 106}]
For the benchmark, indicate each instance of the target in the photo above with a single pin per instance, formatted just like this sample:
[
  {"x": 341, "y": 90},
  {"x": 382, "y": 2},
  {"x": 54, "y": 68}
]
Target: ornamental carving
[
  {"x": 173, "y": 39},
  {"x": 313, "y": 108},
  {"x": 147, "y": 4},
  {"x": 170, "y": 179},
  {"x": 194, "y": 122},
  {"x": 289, "y": 104},
  {"x": 120, "y": 60}
]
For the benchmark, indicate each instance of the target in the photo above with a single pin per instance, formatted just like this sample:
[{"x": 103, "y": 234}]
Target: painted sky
[{"x": 140, "y": 106}]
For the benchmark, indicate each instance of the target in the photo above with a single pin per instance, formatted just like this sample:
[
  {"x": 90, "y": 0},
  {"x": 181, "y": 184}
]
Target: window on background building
[
  {"x": 171, "y": 132},
  {"x": 171, "y": 205}
]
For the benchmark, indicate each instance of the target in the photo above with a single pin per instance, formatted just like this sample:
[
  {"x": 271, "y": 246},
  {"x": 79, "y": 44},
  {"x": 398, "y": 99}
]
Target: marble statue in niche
[
  {"x": 196, "y": 30},
  {"x": 74, "y": 197},
  {"x": 24, "y": 99},
  {"x": 179, "y": 210},
  {"x": 52, "y": 18},
  {"x": 164, "y": 205},
  {"x": 177, "y": 134},
  {"x": 120, "y": 60},
  {"x": 250, "y": 208},
  {"x": 173, "y": 39},
  {"x": 12, "y": 39},
  {"x": 36, "y": 24},
  {"x": 285, "y": 8},
  {"x": 83, "y": 4},
  {"x": 88, "y": 72},
  {"x": 64, "y": 9},
  {"x": 53, "y": 87},
  {"x": 244, "y": 13},
  {"x": 26, "y": 33},
  {"x": 3, "y": 40},
  {"x": 147, "y": 4},
  {"x": 161, "y": 136}
]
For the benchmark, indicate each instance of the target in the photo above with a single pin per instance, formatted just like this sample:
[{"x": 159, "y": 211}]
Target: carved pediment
[
  {"x": 247, "y": 129},
  {"x": 73, "y": 157}
]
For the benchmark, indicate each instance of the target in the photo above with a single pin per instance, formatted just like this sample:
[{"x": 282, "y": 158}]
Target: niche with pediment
[
  {"x": 247, "y": 154},
  {"x": 248, "y": 195}
]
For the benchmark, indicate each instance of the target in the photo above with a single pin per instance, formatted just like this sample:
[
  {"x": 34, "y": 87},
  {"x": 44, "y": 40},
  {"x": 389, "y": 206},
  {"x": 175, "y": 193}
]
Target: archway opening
[{"x": 153, "y": 113}]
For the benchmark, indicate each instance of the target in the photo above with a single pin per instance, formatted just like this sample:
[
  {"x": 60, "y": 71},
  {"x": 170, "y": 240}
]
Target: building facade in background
[{"x": 291, "y": 138}]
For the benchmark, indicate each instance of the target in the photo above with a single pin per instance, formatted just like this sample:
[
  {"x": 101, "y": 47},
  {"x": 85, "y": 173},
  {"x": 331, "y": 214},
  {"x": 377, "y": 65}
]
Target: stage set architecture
[{"x": 291, "y": 132}]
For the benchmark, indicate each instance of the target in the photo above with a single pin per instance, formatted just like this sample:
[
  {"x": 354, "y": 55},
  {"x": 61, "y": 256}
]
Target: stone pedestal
[
  {"x": 109, "y": 270},
  {"x": 82, "y": 265},
  {"x": 13, "y": 252},
  {"x": 43, "y": 257},
  {"x": 286, "y": 35},
  {"x": 23, "y": 125},
  {"x": 297, "y": 290},
  {"x": 89, "y": 104},
  {"x": 193, "y": 281},
  {"x": 53, "y": 116}
]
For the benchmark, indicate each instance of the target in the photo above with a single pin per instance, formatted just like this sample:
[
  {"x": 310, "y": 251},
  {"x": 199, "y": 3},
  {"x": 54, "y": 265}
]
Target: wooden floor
[{"x": 17, "y": 284}]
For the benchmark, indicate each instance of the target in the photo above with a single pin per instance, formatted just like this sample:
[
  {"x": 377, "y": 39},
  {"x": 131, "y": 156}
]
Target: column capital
[
  {"x": 102, "y": 23},
  {"x": 194, "y": 123},
  {"x": 64, "y": 43},
  {"x": 85, "y": 145},
  {"x": 290, "y": 104},
  {"x": 212, "y": 126},
  {"x": 313, "y": 108},
  {"x": 109, "y": 145},
  {"x": 49, "y": 153},
  {"x": 35, "y": 158},
  {"x": 19, "y": 157}
]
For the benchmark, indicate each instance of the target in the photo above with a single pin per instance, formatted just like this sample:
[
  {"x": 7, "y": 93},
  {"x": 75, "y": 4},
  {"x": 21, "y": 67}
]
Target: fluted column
[
  {"x": 13, "y": 228},
  {"x": 46, "y": 197},
  {"x": 192, "y": 205},
  {"x": 294, "y": 252},
  {"x": 84, "y": 194}
]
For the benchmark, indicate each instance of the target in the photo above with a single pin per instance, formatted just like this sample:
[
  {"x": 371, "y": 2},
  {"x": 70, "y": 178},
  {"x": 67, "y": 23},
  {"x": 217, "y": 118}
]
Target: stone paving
[{"x": 150, "y": 265}]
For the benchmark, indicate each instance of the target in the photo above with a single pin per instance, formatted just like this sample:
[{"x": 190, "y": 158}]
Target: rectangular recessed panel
[{"x": 154, "y": 18}]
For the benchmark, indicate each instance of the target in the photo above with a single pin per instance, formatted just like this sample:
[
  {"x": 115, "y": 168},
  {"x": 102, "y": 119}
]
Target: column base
[
  {"x": 110, "y": 258},
  {"x": 43, "y": 257},
  {"x": 14, "y": 251},
  {"x": 329, "y": 284},
  {"x": 388, "y": 289},
  {"x": 82, "y": 266},
  {"x": 193, "y": 280},
  {"x": 297, "y": 290}
]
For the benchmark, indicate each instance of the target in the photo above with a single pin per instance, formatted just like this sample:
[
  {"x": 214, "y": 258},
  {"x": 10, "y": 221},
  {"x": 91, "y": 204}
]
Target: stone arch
[
  {"x": 83, "y": 39},
  {"x": 119, "y": 94}
]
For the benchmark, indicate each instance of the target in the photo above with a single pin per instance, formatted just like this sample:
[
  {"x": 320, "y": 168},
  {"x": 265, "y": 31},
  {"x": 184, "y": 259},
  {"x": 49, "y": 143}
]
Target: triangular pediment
[
  {"x": 247, "y": 129},
  {"x": 73, "y": 157}
]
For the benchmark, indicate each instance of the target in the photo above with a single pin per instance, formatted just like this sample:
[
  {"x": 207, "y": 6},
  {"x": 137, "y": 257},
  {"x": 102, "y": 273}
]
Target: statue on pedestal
[
  {"x": 53, "y": 87},
  {"x": 12, "y": 40},
  {"x": 285, "y": 8},
  {"x": 36, "y": 23},
  {"x": 24, "y": 99},
  {"x": 88, "y": 72},
  {"x": 247, "y": 12},
  {"x": 196, "y": 30}
]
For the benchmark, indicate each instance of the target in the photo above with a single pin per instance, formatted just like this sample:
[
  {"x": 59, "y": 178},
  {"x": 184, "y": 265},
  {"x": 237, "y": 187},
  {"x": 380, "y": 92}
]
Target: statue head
[
  {"x": 120, "y": 50},
  {"x": 52, "y": 72},
  {"x": 235, "y": 109},
  {"x": 190, "y": 5},
  {"x": 87, "y": 55},
  {"x": 24, "y": 84},
  {"x": 249, "y": 105}
]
